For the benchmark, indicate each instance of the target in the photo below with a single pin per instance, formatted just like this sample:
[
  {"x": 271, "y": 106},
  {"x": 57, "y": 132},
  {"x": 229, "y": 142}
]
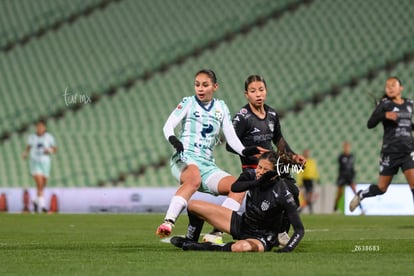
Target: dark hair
[
  {"x": 384, "y": 96},
  {"x": 208, "y": 72},
  {"x": 396, "y": 78},
  {"x": 41, "y": 121},
  {"x": 271, "y": 156},
  {"x": 253, "y": 78}
]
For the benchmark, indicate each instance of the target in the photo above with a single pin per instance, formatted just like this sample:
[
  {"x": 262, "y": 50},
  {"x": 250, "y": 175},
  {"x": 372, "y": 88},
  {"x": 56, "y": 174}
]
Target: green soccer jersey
[{"x": 201, "y": 125}]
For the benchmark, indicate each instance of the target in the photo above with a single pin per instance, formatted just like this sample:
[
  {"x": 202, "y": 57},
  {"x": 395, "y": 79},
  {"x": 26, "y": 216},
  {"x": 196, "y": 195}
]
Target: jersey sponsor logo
[
  {"x": 217, "y": 115},
  {"x": 207, "y": 128},
  {"x": 265, "y": 205},
  {"x": 203, "y": 146},
  {"x": 262, "y": 137},
  {"x": 404, "y": 115},
  {"x": 402, "y": 132},
  {"x": 255, "y": 130}
]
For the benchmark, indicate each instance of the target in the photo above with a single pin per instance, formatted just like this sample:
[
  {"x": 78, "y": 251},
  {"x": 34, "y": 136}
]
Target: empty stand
[{"x": 303, "y": 53}]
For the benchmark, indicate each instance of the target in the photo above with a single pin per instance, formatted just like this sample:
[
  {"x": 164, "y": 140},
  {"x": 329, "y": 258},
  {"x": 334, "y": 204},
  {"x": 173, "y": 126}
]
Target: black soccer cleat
[
  {"x": 205, "y": 246},
  {"x": 178, "y": 241}
]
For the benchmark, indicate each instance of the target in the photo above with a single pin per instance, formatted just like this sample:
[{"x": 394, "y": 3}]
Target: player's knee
[
  {"x": 224, "y": 185},
  {"x": 191, "y": 179},
  {"x": 194, "y": 206},
  {"x": 193, "y": 185},
  {"x": 237, "y": 196},
  {"x": 243, "y": 246}
]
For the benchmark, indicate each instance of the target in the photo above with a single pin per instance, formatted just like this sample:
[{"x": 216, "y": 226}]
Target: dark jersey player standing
[
  {"x": 257, "y": 124},
  {"x": 346, "y": 173},
  {"x": 395, "y": 114},
  {"x": 267, "y": 200}
]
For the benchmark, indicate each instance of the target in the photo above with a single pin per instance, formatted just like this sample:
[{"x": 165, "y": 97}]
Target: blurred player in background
[
  {"x": 256, "y": 230},
  {"x": 257, "y": 124},
  {"x": 201, "y": 118},
  {"x": 308, "y": 178},
  {"x": 40, "y": 146},
  {"x": 346, "y": 173},
  {"x": 395, "y": 114}
]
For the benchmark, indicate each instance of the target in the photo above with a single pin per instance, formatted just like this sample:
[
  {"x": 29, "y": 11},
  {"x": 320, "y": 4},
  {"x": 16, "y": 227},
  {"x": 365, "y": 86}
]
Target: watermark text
[{"x": 76, "y": 98}]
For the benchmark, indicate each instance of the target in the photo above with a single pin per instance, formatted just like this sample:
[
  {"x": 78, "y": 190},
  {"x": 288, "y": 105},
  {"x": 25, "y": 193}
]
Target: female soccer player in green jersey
[{"x": 201, "y": 117}]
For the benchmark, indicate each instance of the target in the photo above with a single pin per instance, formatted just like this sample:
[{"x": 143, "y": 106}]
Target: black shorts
[
  {"x": 308, "y": 184},
  {"x": 344, "y": 180},
  {"x": 240, "y": 231},
  {"x": 391, "y": 162}
]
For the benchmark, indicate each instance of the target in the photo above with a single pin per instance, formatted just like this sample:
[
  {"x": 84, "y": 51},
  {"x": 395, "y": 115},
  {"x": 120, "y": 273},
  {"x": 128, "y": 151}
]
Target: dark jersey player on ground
[
  {"x": 256, "y": 230},
  {"x": 395, "y": 114}
]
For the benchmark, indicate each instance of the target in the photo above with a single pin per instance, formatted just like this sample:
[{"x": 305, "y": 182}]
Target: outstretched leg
[
  {"x": 232, "y": 202},
  {"x": 373, "y": 190},
  {"x": 248, "y": 245}
]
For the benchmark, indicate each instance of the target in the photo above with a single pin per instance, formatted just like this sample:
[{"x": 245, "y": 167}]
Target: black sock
[
  {"x": 194, "y": 227},
  {"x": 227, "y": 247},
  {"x": 207, "y": 246},
  {"x": 371, "y": 191},
  {"x": 216, "y": 247}
]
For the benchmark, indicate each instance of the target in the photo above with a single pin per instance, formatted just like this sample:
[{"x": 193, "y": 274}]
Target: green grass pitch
[{"x": 127, "y": 245}]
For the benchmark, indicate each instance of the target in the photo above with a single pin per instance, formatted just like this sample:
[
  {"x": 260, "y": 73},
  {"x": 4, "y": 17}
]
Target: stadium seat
[{"x": 299, "y": 55}]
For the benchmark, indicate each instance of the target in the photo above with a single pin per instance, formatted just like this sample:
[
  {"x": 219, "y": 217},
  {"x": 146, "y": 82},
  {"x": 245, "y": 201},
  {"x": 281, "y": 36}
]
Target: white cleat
[
  {"x": 355, "y": 202},
  {"x": 283, "y": 239},
  {"x": 215, "y": 238}
]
